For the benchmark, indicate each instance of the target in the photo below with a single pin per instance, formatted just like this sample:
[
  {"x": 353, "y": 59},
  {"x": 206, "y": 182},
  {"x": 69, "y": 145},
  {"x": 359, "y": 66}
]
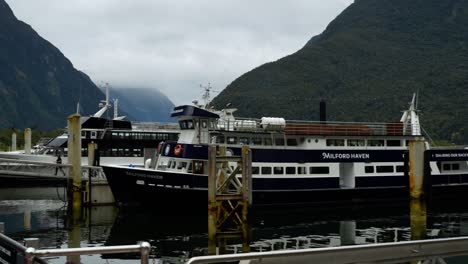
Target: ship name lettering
[
  {"x": 326, "y": 155},
  {"x": 135, "y": 174}
]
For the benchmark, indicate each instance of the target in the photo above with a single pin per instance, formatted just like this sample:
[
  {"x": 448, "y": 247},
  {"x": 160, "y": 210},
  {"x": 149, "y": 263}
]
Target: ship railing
[
  {"x": 152, "y": 126},
  {"x": 426, "y": 251},
  {"x": 299, "y": 127}
]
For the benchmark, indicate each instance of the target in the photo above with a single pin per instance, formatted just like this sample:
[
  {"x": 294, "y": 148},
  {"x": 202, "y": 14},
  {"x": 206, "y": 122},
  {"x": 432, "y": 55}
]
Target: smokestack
[{"x": 323, "y": 111}]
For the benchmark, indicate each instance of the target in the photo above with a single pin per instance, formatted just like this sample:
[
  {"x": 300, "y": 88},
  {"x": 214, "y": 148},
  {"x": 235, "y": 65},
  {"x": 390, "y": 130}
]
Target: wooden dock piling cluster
[{"x": 229, "y": 198}]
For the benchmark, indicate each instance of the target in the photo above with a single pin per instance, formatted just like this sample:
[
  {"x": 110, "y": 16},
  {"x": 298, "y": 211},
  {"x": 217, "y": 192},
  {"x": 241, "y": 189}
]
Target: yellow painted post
[
  {"x": 416, "y": 168},
  {"x": 27, "y": 141},
  {"x": 418, "y": 219},
  {"x": 212, "y": 204},
  {"x": 74, "y": 159},
  {"x": 13, "y": 141}
]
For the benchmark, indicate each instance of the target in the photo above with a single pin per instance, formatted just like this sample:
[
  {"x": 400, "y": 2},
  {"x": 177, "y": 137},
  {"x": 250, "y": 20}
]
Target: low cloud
[{"x": 175, "y": 46}]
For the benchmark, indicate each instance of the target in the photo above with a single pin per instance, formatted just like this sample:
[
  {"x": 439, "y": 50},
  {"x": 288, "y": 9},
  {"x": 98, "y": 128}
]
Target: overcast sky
[{"x": 175, "y": 46}]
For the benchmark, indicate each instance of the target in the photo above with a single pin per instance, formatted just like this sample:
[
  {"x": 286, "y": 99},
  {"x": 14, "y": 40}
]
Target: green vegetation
[
  {"x": 36, "y": 135},
  {"x": 366, "y": 65},
  {"x": 39, "y": 87}
]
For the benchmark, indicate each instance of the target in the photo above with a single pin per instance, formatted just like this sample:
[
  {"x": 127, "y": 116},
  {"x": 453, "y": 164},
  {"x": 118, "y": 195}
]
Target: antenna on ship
[{"x": 206, "y": 95}]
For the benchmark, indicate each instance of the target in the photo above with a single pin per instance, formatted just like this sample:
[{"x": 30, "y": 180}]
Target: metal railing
[
  {"x": 42, "y": 169},
  {"x": 18, "y": 253},
  {"x": 143, "y": 248},
  {"x": 395, "y": 252}
]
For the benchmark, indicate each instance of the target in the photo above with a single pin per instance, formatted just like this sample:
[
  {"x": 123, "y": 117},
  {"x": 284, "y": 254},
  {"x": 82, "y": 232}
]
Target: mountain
[
  {"x": 39, "y": 87},
  {"x": 143, "y": 104},
  {"x": 366, "y": 65}
]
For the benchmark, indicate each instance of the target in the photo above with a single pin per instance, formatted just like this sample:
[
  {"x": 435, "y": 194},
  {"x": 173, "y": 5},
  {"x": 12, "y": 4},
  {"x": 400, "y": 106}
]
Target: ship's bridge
[{"x": 194, "y": 123}]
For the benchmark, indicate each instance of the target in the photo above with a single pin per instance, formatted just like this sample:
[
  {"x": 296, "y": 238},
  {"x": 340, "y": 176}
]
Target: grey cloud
[{"x": 175, "y": 46}]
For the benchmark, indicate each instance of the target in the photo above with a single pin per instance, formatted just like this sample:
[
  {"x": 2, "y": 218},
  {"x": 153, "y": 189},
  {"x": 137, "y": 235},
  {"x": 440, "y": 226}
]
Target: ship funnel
[{"x": 323, "y": 111}]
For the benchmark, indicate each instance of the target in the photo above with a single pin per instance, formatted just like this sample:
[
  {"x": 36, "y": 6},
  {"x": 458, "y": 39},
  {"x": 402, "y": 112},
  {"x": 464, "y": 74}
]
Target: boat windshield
[{"x": 186, "y": 124}]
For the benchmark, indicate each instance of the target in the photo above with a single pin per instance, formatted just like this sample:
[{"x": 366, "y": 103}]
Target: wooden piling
[
  {"x": 27, "y": 141},
  {"x": 13, "y": 141},
  {"x": 74, "y": 159},
  {"x": 416, "y": 168},
  {"x": 212, "y": 206},
  {"x": 229, "y": 198}
]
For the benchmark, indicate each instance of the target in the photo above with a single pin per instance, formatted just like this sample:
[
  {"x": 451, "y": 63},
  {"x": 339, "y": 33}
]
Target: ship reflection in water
[{"x": 180, "y": 234}]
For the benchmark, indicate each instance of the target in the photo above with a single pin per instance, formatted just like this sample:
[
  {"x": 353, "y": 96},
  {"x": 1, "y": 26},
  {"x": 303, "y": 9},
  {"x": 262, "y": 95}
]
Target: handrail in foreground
[
  {"x": 394, "y": 252},
  {"x": 143, "y": 248}
]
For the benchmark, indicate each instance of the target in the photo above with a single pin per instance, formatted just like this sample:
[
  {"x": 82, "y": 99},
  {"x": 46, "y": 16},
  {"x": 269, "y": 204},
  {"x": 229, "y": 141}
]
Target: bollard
[
  {"x": 31, "y": 242},
  {"x": 74, "y": 159},
  {"x": 13, "y": 141},
  {"x": 27, "y": 141},
  {"x": 416, "y": 168}
]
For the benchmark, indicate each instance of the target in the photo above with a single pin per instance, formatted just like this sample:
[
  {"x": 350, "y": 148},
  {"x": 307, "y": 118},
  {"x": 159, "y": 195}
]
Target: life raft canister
[{"x": 177, "y": 150}]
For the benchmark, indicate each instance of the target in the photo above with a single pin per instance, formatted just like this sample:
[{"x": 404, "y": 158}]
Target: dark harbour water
[{"x": 180, "y": 234}]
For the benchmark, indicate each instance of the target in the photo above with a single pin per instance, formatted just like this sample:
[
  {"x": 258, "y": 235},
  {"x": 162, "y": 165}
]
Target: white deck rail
[{"x": 395, "y": 252}]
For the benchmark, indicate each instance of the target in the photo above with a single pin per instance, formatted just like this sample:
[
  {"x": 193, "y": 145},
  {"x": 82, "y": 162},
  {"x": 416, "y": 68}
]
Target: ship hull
[{"x": 133, "y": 186}]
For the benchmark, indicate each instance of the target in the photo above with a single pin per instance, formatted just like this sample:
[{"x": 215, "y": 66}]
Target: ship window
[
  {"x": 369, "y": 169},
  {"x": 267, "y": 142},
  {"x": 451, "y": 166},
  {"x": 335, "y": 142},
  {"x": 181, "y": 165},
  {"x": 356, "y": 142},
  {"x": 256, "y": 141},
  {"x": 183, "y": 125},
  {"x": 290, "y": 170},
  {"x": 173, "y": 164},
  {"x": 375, "y": 143},
  {"x": 203, "y": 122},
  {"x": 400, "y": 168},
  {"x": 266, "y": 170},
  {"x": 198, "y": 167},
  {"x": 231, "y": 140},
  {"x": 189, "y": 169},
  {"x": 189, "y": 124},
  {"x": 244, "y": 140},
  {"x": 383, "y": 169},
  {"x": 278, "y": 170},
  {"x": 220, "y": 139},
  {"x": 319, "y": 170},
  {"x": 393, "y": 143},
  {"x": 255, "y": 170},
  {"x": 83, "y": 134},
  {"x": 279, "y": 141},
  {"x": 291, "y": 142},
  {"x": 301, "y": 170}
]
